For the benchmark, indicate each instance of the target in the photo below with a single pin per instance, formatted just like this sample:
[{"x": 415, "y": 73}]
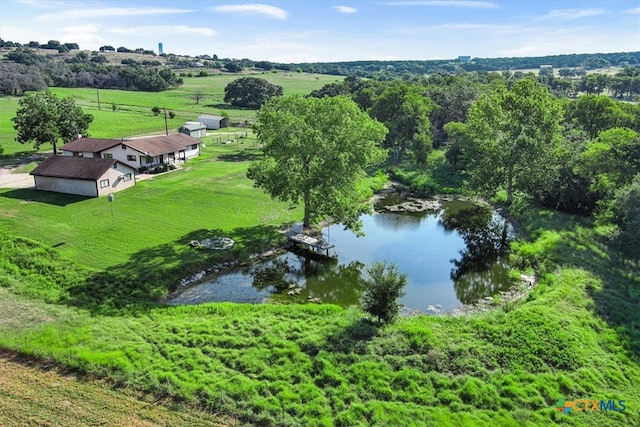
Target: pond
[{"x": 452, "y": 255}]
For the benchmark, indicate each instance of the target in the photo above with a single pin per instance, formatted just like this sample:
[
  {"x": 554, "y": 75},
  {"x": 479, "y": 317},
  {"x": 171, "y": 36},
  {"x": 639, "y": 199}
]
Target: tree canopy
[
  {"x": 250, "y": 92},
  {"x": 405, "y": 111},
  {"x": 515, "y": 135},
  {"x": 316, "y": 149},
  {"x": 44, "y": 118}
]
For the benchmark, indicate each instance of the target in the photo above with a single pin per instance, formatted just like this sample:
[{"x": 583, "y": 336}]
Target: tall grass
[{"x": 575, "y": 337}]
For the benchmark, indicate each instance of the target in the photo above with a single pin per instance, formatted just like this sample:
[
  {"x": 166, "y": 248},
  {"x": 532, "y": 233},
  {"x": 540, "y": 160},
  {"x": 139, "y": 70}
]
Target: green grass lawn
[{"x": 210, "y": 193}]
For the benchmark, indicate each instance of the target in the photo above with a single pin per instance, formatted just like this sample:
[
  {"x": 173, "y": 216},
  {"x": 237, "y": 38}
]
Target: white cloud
[
  {"x": 345, "y": 9},
  {"x": 447, "y": 3},
  {"x": 253, "y": 8},
  {"x": 164, "y": 30},
  {"x": 109, "y": 11},
  {"x": 634, "y": 11},
  {"x": 482, "y": 27},
  {"x": 573, "y": 13}
]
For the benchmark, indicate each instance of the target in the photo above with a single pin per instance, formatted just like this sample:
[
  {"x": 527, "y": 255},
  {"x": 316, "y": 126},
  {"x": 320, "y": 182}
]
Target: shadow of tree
[
  {"x": 21, "y": 158},
  {"x": 48, "y": 197},
  {"x": 617, "y": 299},
  {"x": 353, "y": 338},
  {"x": 152, "y": 273},
  {"x": 223, "y": 106},
  {"x": 242, "y": 156}
]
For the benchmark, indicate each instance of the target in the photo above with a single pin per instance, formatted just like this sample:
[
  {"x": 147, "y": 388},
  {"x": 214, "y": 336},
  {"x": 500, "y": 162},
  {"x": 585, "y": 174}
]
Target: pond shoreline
[{"x": 406, "y": 203}]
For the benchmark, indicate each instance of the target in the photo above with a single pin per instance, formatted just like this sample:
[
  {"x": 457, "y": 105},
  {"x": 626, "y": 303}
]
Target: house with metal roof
[
  {"x": 85, "y": 176},
  {"x": 139, "y": 153}
]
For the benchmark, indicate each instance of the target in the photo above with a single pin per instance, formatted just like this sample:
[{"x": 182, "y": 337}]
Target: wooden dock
[{"x": 315, "y": 244}]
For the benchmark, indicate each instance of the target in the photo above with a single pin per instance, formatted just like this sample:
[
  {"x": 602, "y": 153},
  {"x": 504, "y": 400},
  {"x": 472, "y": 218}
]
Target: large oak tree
[
  {"x": 315, "y": 152},
  {"x": 516, "y": 134},
  {"x": 44, "y": 118},
  {"x": 250, "y": 92}
]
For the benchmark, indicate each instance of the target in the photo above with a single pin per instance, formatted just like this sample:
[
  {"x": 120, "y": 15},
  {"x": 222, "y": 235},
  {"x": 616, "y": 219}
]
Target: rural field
[
  {"x": 133, "y": 115},
  {"x": 81, "y": 282}
]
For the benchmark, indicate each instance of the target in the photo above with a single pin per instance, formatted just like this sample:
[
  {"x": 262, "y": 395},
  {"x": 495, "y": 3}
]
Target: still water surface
[{"x": 452, "y": 256}]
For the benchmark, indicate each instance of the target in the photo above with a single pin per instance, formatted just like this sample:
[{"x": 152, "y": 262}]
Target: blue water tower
[{"x": 159, "y": 48}]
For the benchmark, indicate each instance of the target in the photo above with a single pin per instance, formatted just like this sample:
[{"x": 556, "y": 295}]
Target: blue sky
[{"x": 331, "y": 30}]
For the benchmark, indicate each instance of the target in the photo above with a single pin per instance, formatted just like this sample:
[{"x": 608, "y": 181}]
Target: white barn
[
  {"x": 214, "y": 122},
  {"x": 194, "y": 129}
]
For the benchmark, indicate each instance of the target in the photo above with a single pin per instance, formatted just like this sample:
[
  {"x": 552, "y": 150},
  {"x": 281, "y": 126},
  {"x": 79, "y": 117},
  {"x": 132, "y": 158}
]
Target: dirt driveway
[{"x": 15, "y": 180}]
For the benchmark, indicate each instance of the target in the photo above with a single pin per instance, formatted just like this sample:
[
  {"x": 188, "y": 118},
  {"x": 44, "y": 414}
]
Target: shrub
[{"x": 382, "y": 291}]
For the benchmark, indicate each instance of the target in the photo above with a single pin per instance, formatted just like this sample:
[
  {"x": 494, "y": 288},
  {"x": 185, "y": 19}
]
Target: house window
[
  {"x": 131, "y": 158},
  {"x": 124, "y": 147},
  {"x": 194, "y": 147},
  {"x": 104, "y": 183},
  {"x": 115, "y": 166},
  {"x": 149, "y": 159},
  {"x": 126, "y": 177},
  {"x": 108, "y": 156},
  {"x": 76, "y": 154}
]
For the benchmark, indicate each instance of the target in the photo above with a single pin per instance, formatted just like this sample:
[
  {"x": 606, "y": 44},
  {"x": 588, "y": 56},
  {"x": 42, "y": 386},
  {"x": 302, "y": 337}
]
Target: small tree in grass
[{"x": 382, "y": 290}]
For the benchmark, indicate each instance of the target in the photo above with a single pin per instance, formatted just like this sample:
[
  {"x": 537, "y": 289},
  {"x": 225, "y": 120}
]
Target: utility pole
[
  {"x": 98, "y": 93},
  {"x": 110, "y": 198},
  {"x": 166, "y": 128}
]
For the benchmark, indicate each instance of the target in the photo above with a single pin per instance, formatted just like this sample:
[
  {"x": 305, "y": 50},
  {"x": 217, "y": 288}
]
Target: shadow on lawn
[
  {"x": 618, "y": 299},
  {"x": 20, "y": 158},
  {"x": 223, "y": 106},
  {"x": 48, "y": 197},
  {"x": 148, "y": 275},
  {"x": 354, "y": 338},
  {"x": 245, "y": 155}
]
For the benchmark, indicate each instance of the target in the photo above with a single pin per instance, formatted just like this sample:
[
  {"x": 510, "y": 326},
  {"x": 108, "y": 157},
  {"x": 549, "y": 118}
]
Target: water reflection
[
  {"x": 480, "y": 270},
  {"x": 452, "y": 256}
]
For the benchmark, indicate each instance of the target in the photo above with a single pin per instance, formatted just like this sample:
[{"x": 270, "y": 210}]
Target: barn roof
[
  {"x": 194, "y": 126},
  {"x": 90, "y": 145},
  {"x": 210, "y": 117},
  {"x": 73, "y": 167}
]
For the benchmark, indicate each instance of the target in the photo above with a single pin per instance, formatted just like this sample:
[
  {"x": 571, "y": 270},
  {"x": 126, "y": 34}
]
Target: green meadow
[
  {"x": 133, "y": 116},
  {"x": 80, "y": 287}
]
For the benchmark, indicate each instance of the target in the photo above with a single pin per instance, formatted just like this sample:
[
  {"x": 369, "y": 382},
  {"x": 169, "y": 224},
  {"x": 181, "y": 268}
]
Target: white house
[
  {"x": 139, "y": 153},
  {"x": 214, "y": 122},
  {"x": 84, "y": 176}
]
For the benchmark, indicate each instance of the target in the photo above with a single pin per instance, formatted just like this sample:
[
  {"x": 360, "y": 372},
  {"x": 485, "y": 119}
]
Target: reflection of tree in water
[
  {"x": 478, "y": 272},
  {"x": 396, "y": 221},
  {"x": 272, "y": 274},
  {"x": 333, "y": 283},
  {"x": 342, "y": 284}
]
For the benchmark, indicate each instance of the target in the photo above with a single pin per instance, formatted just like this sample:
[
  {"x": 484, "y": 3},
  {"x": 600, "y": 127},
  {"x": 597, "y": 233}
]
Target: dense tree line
[
  {"x": 26, "y": 70},
  {"x": 516, "y": 135},
  {"x": 390, "y": 69}
]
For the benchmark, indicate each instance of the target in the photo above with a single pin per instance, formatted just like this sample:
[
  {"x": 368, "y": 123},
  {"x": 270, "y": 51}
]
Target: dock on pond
[{"x": 314, "y": 244}]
